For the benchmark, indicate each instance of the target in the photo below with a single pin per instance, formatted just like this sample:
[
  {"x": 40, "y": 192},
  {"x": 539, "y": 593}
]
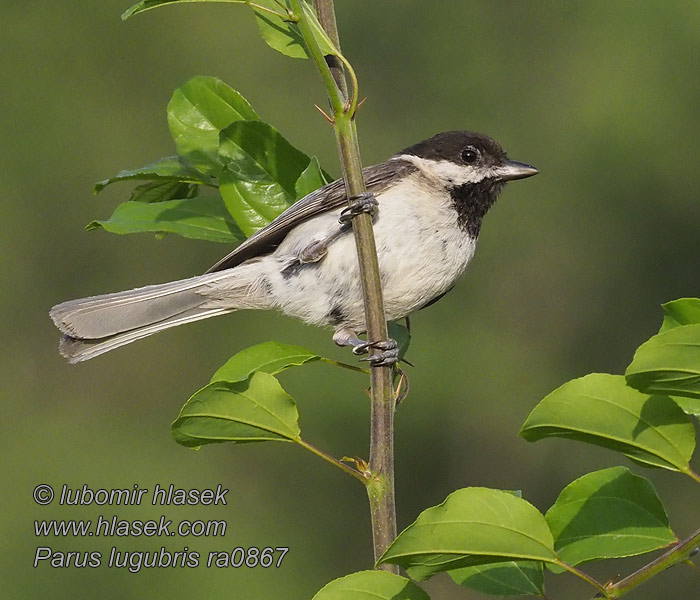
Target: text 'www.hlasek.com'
[{"x": 112, "y": 526}]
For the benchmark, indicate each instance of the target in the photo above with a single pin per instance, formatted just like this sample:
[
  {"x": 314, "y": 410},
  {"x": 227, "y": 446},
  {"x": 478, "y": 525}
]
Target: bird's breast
[{"x": 421, "y": 247}]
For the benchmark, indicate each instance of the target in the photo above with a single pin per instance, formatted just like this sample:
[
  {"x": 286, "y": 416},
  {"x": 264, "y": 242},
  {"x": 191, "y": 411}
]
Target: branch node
[{"x": 361, "y": 465}]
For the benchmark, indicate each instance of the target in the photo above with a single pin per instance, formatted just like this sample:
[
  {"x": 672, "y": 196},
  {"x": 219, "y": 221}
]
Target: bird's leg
[
  {"x": 347, "y": 337},
  {"x": 365, "y": 203},
  {"x": 361, "y": 203},
  {"x": 317, "y": 249},
  {"x": 387, "y": 358}
]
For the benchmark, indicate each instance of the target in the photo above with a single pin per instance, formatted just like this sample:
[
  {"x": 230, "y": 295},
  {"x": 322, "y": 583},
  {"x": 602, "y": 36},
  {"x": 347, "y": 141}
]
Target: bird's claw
[
  {"x": 387, "y": 358},
  {"x": 361, "y": 203}
]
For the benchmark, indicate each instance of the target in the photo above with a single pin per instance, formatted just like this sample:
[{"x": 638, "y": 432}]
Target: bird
[{"x": 427, "y": 204}]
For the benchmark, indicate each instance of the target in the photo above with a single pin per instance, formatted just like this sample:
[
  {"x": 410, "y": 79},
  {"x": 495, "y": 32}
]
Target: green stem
[
  {"x": 679, "y": 552},
  {"x": 261, "y": 8},
  {"x": 694, "y": 475},
  {"x": 335, "y": 462},
  {"x": 381, "y": 458},
  {"x": 587, "y": 578},
  {"x": 139, "y": 8},
  {"x": 326, "y": 16},
  {"x": 335, "y": 95},
  {"x": 343, "y": 365}
]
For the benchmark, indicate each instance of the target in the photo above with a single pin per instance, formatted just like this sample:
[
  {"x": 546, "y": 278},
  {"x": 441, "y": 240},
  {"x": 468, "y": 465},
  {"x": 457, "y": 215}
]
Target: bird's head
[
  {"x": 471, "y": 167},
  {"x": 465, "y": 157}
]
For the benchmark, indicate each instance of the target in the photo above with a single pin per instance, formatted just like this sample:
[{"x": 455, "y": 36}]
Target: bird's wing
[{"x": 329, "y": 197}]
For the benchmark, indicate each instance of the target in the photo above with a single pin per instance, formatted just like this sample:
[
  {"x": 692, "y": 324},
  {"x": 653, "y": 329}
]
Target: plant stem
[
  {"x": 140, "y": 7},
  {"x": 676, "y": 554},
  {"x": 380, "y": 487},
  {"x": 596, "y": 584},
  {"x": 694, "y": 475},
  {"x": 326, "y": 17},
  {"x": 335, "y": 462},
  {"x": 343, "y": 365}
]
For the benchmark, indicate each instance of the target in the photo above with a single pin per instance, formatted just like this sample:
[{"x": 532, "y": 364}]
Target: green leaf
[
  {"x": 171, "y": 168},
  {"x": 472, "y": 526},
  {"x": 160, "y": 191},
  {"x": 685, "y": 311},
  {"x": 311, "y": 179},
  {"x": 601, "y": 409},
  {"x": 197, "y": 112},
  {"x": 371, "y": 585},
  {"x": 278, "y": 31},
  {"x": 608, "y": 514},
  {"x": 508, "y": 578},
  {"x": 145, "y": 5},
  {"x": 402, "y": 335},
  {"x": 280, "y": 35},
  {"x": 254, "y": 410},
  {"x": 258, "y": 182},
  {"x": 200, "y": 218},
  {"x": 668, "y": 363},
  {"x": 690, "y": 406},
  {"x": 270, "y": 357},
  {"x": 284, "y": 36}
]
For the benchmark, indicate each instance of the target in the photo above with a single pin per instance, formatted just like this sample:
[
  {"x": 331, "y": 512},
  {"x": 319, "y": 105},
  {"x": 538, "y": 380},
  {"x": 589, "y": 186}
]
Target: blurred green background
[{"x": 603, "y": 97}]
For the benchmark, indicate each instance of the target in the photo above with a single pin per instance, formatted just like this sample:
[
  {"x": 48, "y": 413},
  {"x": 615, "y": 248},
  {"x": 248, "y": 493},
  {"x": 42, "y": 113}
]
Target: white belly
[{"x": 422, "y": 251}]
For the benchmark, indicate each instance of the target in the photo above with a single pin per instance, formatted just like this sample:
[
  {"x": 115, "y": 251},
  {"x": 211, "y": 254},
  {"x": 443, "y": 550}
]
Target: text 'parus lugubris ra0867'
[{"x": 427, "y": 202}]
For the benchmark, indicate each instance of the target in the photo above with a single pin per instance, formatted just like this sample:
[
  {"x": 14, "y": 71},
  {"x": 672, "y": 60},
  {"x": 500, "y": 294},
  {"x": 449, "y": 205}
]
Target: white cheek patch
[{"x": 449, "y": 173}]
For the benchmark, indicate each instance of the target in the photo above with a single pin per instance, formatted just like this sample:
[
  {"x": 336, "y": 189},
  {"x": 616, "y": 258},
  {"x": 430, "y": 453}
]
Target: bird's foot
[
  {"x": 388, "y": 356},
  {"x": 361, "y": 203}
]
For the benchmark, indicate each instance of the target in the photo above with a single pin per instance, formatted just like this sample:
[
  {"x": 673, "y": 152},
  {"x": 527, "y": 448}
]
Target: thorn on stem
[
  {"x": 402, "y": 388},
  {"x": 331, "y": 120}
]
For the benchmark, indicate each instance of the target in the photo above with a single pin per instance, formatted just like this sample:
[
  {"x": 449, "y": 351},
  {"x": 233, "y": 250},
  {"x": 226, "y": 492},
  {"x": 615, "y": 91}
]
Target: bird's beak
[{"x": 515, "y": 170}]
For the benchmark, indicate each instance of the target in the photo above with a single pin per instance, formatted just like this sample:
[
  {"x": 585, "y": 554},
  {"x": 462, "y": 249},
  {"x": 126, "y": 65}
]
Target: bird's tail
[{"x": 95, "y": 325}]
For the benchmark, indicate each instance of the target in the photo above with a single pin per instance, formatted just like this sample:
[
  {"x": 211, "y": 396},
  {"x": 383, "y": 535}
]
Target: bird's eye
[{"x": 470, "y": 155}]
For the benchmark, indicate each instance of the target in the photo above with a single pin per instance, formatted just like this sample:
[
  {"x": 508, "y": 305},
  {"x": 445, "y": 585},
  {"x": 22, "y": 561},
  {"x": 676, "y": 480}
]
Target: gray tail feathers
[{"x": 95, "y": 325}]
